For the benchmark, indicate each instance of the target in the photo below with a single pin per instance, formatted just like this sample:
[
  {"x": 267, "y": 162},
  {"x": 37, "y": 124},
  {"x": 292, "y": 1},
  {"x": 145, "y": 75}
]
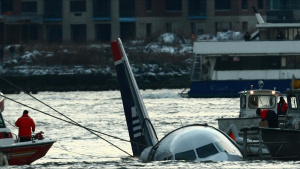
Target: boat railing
[{"x": 246, "y": 131}]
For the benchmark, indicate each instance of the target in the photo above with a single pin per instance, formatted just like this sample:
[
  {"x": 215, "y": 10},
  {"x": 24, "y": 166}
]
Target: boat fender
[
  {"x": 39, "y": 136},
  {"x": 3, "y": 160}
]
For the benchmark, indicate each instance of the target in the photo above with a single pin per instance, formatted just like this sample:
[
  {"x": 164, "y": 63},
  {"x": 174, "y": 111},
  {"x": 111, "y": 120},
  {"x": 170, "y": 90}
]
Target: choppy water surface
[{"x": 103, "y": 111}]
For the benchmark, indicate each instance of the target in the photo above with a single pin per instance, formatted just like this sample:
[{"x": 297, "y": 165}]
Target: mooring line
[{"x": 76, "y": 124}]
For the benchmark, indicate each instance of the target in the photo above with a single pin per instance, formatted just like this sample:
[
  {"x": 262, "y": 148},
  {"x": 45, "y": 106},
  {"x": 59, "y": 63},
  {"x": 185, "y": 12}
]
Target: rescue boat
[{"x": 21, "y": 153}]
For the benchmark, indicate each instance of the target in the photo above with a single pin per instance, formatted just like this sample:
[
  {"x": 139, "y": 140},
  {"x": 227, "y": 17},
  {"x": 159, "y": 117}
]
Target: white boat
[
  {"x": 21, "y": 153},
  {"x": 250, "y": 100},
  {"x": 223, "y": 68}
]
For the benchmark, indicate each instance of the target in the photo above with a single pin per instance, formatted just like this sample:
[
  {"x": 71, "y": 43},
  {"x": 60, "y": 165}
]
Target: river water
[{"x": 103, "y": 111}]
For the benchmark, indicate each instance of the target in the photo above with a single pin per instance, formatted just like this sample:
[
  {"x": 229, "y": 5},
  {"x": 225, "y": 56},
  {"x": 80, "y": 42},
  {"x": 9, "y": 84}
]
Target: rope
[
  {"x": 76, "y": 124},
  {"x": 63, "y": 148}
]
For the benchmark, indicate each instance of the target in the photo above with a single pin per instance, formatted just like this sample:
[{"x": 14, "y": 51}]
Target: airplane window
[
  {"x": 219, "y": 146},
  {"x": 187, "y": 155},
  {"x": 227, "y": 148},
  {"x": 207, "y": 150}
]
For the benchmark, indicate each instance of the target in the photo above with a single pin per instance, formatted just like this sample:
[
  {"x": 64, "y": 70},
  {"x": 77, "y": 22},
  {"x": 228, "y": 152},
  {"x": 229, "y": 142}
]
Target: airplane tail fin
[
  {"x": 141, "y": 131},
  {"x": 258, "y": 16}
]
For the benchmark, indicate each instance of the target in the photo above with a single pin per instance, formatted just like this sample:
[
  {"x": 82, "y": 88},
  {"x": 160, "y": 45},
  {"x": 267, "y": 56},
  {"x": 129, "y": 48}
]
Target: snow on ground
[{"x": 165, "y": 43}]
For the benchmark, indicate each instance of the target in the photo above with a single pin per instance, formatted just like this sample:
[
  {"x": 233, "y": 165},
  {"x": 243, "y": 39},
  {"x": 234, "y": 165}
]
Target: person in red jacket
[
  {"x": 25, "y": 124},
  {"x": 282, "y": 107},
  {"x": 268, "y": 115}
]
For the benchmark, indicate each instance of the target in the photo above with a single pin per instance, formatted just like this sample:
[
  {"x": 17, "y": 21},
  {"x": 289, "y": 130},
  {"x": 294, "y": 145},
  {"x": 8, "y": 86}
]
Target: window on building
[
  {"x": 245, "y": 25},
  {"x": 148, "y": 29},
  {"x": 54, "y": 33},
  {"x": 127, "y": 8},
  {"x": 78, "y": 33},
  {"x": 77, "y": 6},
  {"x": 244, "y": 4},
  {"x": 223, "y": 26},
  {"x": 193, "y": 28},
  {"x": 260, "y": 4},
  {"x": 197, "y": 7},
  {"x": 29, "y": 6},
  {"x": 53, "y": 9},
  {"x": 6, "y": 6},
  {"x": 127, "y": 30},
  {"x": 103, "y": 32},
  {"x": 148, "y": 5},
  {"x": 101, "y": 8},
  {"x": 168, "y": 27},
  {"x": 222, "y": 4},
  {"x": 173, "y": 5}
]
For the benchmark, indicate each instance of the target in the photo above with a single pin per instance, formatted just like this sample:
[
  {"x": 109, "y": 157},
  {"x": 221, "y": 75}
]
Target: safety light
[
  {"x": 251, "y": 92},
  {"x": 273, "y": 92}
]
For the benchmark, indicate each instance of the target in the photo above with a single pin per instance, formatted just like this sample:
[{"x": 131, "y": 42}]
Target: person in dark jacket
[
  {"x": 25, "y": 124},
  {"x": 247, "y": 36},
  {"x": 268, "y": 115},
  {"x": 282, "y": 107}
]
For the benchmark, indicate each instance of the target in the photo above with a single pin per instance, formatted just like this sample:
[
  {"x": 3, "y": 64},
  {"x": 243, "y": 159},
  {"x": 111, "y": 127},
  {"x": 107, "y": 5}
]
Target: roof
[
  {"x": 278, "y": 25},
  {"x": 247, "y": 48}
]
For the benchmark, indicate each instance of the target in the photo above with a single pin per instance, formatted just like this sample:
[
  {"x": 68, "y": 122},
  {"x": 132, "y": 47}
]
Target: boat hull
[
  {"x": 25, "y": 153},
  {"x": 282, "y": 143},
  {"x": 230, "y": 88}
]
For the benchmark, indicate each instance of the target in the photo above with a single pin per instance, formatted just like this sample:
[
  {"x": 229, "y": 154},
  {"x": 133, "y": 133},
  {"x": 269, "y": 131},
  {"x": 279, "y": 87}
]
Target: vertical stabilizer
[
  {"x": 140, "y": 130},
  {"x": 258, "y": 16}
]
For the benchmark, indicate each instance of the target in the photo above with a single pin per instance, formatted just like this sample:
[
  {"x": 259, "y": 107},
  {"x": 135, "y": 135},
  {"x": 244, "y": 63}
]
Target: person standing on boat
[
  {"x": 282, "y": 107},
  {"x": 25, "y": 124},
  {"x": 247, "y": 36},
  {"x": 268, "y": 115}
]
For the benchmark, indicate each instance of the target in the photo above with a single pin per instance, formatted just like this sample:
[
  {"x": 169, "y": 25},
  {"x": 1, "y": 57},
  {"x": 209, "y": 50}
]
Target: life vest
[
  {"x": 282, "y": 107},
  {"x": 263, "y": 113}
]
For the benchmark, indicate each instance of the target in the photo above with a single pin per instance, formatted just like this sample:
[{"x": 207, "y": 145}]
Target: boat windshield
[{"x": 263, "y": 102}]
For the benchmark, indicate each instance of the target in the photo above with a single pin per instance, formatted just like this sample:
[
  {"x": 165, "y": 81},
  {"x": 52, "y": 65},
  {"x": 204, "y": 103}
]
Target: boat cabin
[
  {"x": 252, "y": 99},
  {"x": 293, "y": 99},
  {"x": 279, "y": 31}
]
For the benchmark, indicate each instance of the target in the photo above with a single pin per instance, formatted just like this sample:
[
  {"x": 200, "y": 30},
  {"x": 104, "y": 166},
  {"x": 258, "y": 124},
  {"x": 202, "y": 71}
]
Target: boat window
[
  {"x": 292, "y": 101},
  {"x": 243, "y": 101},
  {"x": 187, "y": 155},
  {"x": 263, "y": 102},
  {"x": 207, "y": 150}
]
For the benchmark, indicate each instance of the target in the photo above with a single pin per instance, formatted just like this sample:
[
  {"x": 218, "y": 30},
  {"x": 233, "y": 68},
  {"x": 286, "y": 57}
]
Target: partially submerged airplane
[{"x": 193, "y": 142}]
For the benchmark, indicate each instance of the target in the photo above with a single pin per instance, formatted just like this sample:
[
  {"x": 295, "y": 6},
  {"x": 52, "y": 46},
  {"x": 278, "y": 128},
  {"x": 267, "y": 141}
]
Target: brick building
[{"x": 104, "y": 20}]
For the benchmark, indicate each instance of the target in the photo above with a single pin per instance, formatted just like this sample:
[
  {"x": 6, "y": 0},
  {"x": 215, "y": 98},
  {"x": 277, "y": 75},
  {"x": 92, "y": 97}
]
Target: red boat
[{"x": 21, "y": 153}]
